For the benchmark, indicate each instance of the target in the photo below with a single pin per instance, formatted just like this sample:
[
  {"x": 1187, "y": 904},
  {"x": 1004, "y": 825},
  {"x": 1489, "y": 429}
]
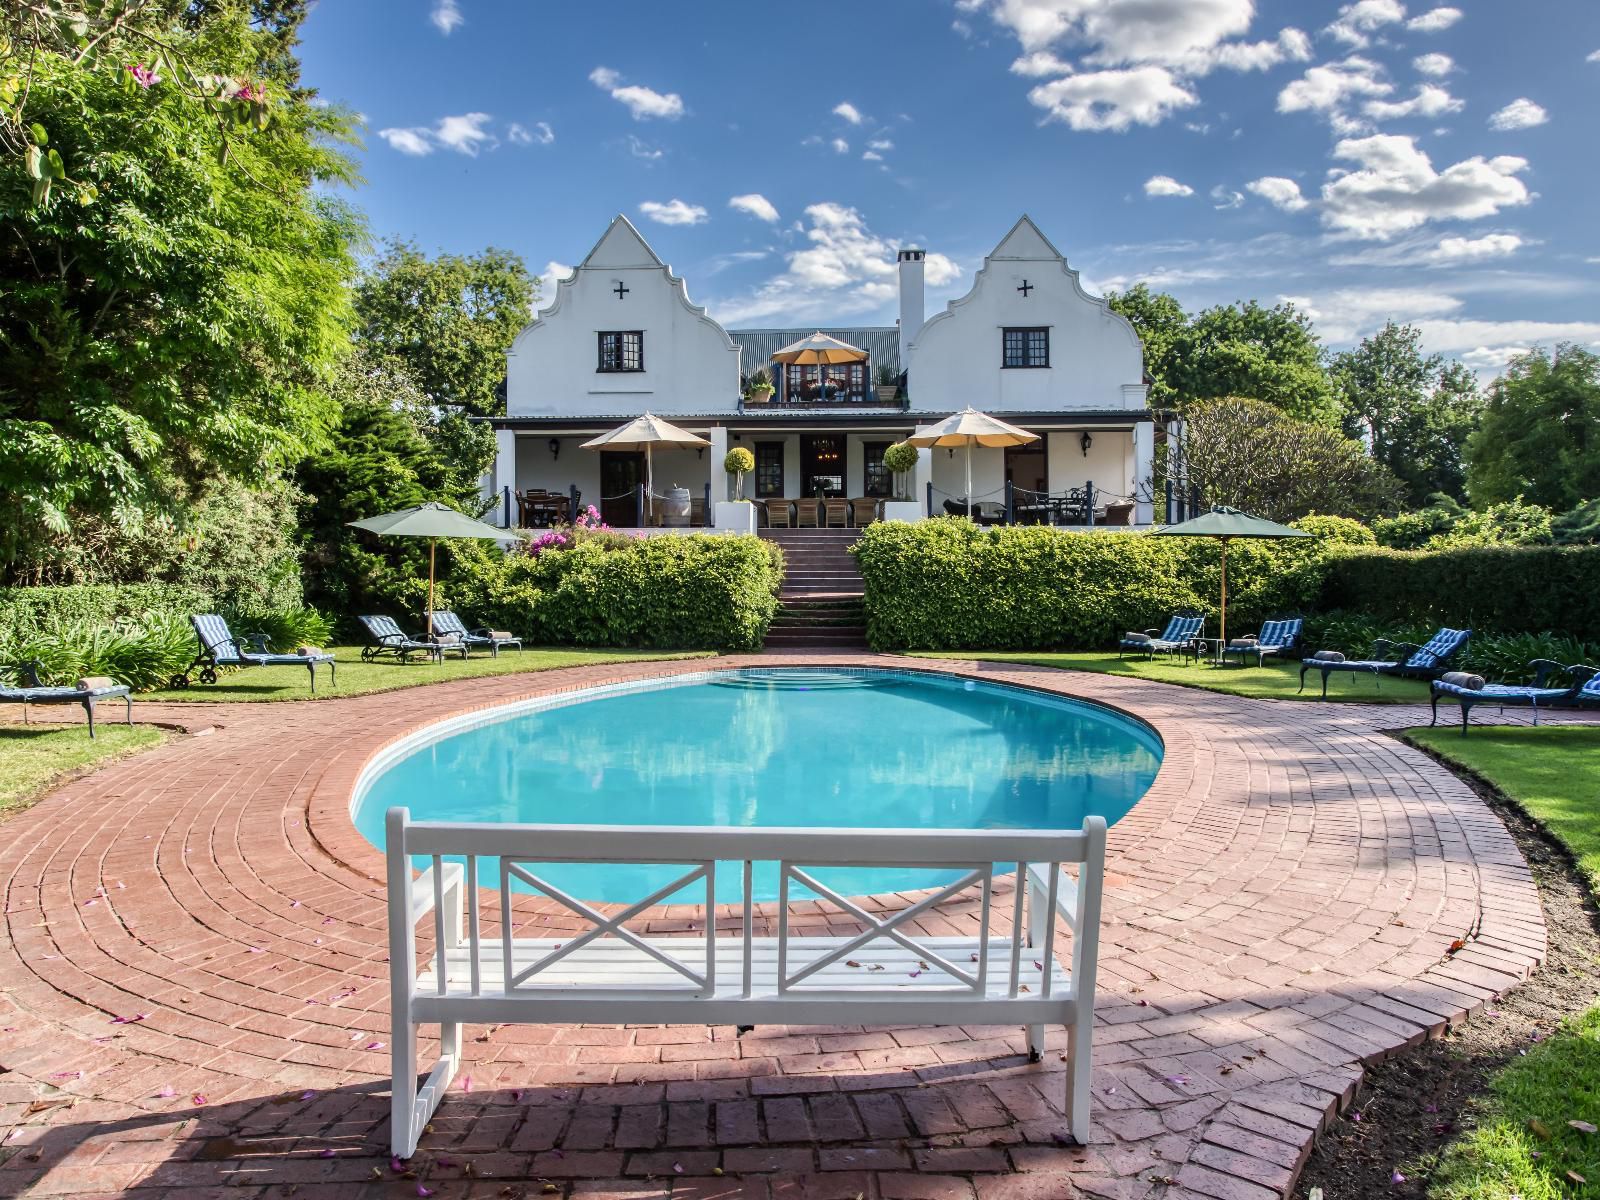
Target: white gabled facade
[{"x": 1026, "y": 343}]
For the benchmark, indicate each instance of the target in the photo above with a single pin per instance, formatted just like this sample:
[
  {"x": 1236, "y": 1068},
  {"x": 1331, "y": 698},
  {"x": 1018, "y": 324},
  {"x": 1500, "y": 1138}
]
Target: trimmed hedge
[
  {"x": 700, "y": 592},
  {"x": 1501, "y": 589},
  {"x": 947, "y": 584},
  {"x": 23, "y": 611}
]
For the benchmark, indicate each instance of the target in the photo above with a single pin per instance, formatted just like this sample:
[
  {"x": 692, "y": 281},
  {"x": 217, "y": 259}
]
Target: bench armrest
[
  {"x": 1066, "y": 893},
  {"x": 1543, "y": 668},
  {"x": 451, "y": 877}
]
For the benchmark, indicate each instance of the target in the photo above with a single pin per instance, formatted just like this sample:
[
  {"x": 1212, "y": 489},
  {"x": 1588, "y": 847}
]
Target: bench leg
[
  {"x": 1079, "y": 1034},
  {"x": 88, "y": 707},
  {"x": 1035, "y": 1043},
  {"x": 412, "y": 1107}
]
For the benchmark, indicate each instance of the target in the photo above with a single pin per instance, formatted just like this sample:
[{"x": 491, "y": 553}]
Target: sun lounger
[
  {"x": 1181, "y": 630},
  {"x": 1469, "y": 690},
  {"x": 219, "y": 648},
  {"x": 447, "y": 624},
  {"x": 87, "y": 692},
  {"x": 384, "y": 637},
  {"x": 1429, "y": 661},
  {"x": 1275, "y": 637}
]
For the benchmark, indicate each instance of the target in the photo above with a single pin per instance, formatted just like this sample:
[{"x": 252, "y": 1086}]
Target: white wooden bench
[{"x": 888, "y": 974}]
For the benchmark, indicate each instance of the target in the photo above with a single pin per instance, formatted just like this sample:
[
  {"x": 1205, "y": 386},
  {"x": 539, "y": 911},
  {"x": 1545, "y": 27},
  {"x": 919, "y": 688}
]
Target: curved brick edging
[{"x": 1280, "y": 911}]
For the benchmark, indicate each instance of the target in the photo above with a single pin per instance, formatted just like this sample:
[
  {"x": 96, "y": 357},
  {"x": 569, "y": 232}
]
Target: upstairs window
[
  {"x": 1025, "y": 347},
  {"x": 622, "y": 351}
]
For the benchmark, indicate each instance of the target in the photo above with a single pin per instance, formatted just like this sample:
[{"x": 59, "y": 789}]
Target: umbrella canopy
[
  {"x": 644, "y": 433},
  {"x": 970, "y": 428},
  {"x": 819, "y": 350},
  {"x": 432, "y": 521},
  {"x": 1228, "y": 523}
]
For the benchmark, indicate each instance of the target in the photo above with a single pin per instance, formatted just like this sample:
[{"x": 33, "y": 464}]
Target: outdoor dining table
[{"x": 542, "y": 510}]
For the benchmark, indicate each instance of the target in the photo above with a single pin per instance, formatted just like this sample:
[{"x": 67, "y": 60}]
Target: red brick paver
[{"x": 193, "y": 996}]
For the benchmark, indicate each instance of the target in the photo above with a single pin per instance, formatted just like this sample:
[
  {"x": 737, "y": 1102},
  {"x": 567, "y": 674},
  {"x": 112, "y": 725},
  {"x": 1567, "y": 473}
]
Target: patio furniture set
[{"x": 822, "y": 513}]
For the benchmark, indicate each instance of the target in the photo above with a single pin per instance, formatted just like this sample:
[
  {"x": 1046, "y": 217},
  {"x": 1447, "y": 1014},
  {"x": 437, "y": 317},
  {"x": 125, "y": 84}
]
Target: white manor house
[{"x": 1026, "y": 344}]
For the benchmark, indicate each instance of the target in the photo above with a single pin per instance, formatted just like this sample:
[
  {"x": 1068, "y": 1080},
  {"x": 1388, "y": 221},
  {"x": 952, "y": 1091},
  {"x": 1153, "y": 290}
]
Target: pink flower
[
  {"x": 249, "y": 92},
  {"x": 142, "y": 75}
]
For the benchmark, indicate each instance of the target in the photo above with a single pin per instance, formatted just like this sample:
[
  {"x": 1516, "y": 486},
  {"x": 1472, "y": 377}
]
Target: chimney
[{"x": 910, "y": 300}]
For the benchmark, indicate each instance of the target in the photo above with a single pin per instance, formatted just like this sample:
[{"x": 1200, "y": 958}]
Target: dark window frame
[
  {"x": 765, "y": 465},
  {"x": 618, "y": 362},
  {"x": 850, "y": 381},
  {"x": 882, "y": 478},
  {"x": 1025, "y": 348}
]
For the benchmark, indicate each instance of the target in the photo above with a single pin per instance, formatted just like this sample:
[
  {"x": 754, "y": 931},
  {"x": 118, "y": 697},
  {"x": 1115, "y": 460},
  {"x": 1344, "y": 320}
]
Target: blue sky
[{"x": 1430, "y": 163}]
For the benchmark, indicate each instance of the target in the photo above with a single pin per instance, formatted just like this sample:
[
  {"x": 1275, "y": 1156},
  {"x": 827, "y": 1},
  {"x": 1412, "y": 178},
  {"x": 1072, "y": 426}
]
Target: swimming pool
[{"x": 845, "y": 747}]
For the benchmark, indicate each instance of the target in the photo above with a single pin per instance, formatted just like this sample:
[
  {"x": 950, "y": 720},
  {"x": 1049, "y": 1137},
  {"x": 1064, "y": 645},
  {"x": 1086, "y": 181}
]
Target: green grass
[
  {"x": 357, "y": 678},
  {"x": 1275, "y": 681},
  {"x": 33, "y": 757},
  {"x": 1553, "y": 773}
]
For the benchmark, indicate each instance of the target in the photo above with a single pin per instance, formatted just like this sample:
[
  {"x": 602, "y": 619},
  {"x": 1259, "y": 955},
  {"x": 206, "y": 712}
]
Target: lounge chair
[
  {"x": 31, "y": 690},
  {"x": 1392, "y": 658},
  {"x": 1469, "y": 690},
  {"x": 385, "y": 637},
  {"x": 1180, "y": 632},
  {"x": 445, "y": 623},
  {"x": 219, "y": 648},
  {"x": 1275, "y": 637}
]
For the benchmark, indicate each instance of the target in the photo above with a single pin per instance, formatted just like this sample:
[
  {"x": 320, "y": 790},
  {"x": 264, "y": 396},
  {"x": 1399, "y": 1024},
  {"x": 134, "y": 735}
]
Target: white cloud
[
  {"x": 1326, "y": 88},
  {"x": 1113, "y": 100},
  {"x": 1040, "y": 63},
  {"x": 1435, "y": 65},
  {"x": 1394, "y": 187},
  {"x": 1225, "y": 198},
  {"x": 1356, "y": 22},
  {"x": 880, "y": 144},
  {"x": 871, "y": 156},
  {"x": 1166, "y": 185},
  {"x": 642, "y": 149},
  {"x": 520, "y": 135},
  {"x": 1521, "y": 113},
  {"x": 848, "y": 111},
  {"x": 465, "y": 134},
  {"x": 1434, "y": 20},
  {"x": 554, "y": 272},
  {"x": 1345, "y": 314},
  {"x": 644, "y": 103},
  {"x": 756, "y": 205},
  {"x": 1431, "y": 100},
  {"x": 1593, "y": 57},
  {"x": 1454, "y": 336},
  {"x": 1292, "y": 45},
  {"x": 845, "y": 270},
  {"x": 1278, "y": 192},
  {"x": 446, "y": 16},
  {"x": 673, "y": 212},
  {"x": 1453, "y": 250},
  {"x": 1122, "y": 32},
  {"x": 840, "y": 146}
]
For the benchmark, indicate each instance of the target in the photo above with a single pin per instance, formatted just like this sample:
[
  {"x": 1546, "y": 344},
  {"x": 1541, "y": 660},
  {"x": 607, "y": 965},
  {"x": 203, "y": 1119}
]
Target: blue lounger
[
  {"x": 445, "y": 623},
  {"x": 1469, "y": 690},
  {"x": 1394, "y": 658},
  {"x": 386, "y": 637},
  {"x": 219, "y": 648},
  {"x": 1180, "y": 631},
  {"x": 1275, "y": 638},
  {"x": 30, "y": 690}
]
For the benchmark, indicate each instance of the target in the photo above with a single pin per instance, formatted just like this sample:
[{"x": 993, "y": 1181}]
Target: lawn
[
  {"x": 1521, "y": 1145},
  {"x": 357, "y": 678},
  {"x": 1275, "y": 681},
  {"x": 34, "y": 757}
]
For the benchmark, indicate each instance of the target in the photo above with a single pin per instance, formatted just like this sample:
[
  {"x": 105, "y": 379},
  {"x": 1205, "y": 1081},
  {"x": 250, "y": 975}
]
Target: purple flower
[{"x": 142, "y": 75}]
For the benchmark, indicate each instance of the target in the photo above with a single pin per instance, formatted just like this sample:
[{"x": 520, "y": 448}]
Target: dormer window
[
  {"x": 621, "y": 350},
  {"x": 1029, "y": 347}
]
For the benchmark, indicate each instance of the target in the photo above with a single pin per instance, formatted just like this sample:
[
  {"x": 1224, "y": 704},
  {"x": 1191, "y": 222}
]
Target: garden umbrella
[
  {"x": 819, "y": 350},
  {"x": 642, "y": 433},
  {"x": 971, "y": 428},
  {"x": 1227, "y": 524},
  {"x": 432, "y": 521}
]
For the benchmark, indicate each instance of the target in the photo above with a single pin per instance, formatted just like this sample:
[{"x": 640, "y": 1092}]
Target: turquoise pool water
[{"x": 776, "y": 747}]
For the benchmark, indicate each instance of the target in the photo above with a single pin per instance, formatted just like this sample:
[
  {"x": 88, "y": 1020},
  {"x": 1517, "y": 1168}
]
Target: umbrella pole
[
  {"x": 969, "y": 479},
  {"x": 427, "y": 617},
  {"x": 649, "y": 485},
  {"x": 1224, "y": 630}
]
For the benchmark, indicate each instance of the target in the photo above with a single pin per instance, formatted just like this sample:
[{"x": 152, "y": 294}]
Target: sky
[{"x": 1375, "y": 160}]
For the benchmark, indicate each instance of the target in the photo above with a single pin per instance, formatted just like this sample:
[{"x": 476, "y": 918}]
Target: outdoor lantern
[
  {"x": 555, "y": 447},
  {"x": 1085, "y": 442}
]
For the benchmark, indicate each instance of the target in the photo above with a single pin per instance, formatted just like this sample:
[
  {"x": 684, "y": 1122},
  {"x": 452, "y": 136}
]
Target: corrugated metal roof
[{"x": 881, "y": 342}]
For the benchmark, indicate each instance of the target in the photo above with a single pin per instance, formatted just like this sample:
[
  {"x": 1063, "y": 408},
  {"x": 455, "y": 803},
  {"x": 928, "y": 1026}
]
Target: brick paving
[{"x": 193, "y": 998}]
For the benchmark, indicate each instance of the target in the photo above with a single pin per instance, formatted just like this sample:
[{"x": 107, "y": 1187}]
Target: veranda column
[
  {"x": 719, "y": 451},
  {"x": 923, "y": 477},
  {"x": 1144, "y": 471},
  {"x": 503, "y": 475}
]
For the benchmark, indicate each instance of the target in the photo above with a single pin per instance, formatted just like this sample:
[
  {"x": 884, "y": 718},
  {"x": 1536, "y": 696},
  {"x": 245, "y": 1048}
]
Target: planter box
[
  {"x": 734, "y": 516},
  {"x": 902, "y": 510}
]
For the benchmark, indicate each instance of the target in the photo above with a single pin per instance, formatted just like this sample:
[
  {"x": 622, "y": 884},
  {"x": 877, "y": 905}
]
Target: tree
[
  {"x": 1540, "y": 435},
  {"x": 449, "y": 319},
  {"x": 1246, "y": 350},
  {"x": 177, "y": 319},
  {"x": 1416, "y": 410},
  {"x": 1160, "y": 322},
  {"x": 1248, "y": 454}
]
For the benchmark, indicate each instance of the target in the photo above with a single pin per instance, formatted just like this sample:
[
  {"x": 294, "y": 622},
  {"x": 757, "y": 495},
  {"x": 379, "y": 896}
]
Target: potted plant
[
  {"x": 901, "y": 460},
  {"x": 738, "y": 463},
  {"x": 759, "y": 389},
  {"x": 888, "y": 385}
]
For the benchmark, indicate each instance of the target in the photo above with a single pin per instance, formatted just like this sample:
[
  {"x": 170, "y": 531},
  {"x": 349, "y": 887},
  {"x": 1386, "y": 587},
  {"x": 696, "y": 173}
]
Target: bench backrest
[
  {"x": 215, "y": 639},
  {"x": 446, "y": 622},
  {"x": 521, "y": 850},
  {"x": 1440, "y": 648}
]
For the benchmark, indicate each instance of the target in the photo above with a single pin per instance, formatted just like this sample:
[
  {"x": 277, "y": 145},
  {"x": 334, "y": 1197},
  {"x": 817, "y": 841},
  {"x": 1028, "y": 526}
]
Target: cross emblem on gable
[
  {"x": 1025, "y": 289},
  {"x": 620, "y": 290}
]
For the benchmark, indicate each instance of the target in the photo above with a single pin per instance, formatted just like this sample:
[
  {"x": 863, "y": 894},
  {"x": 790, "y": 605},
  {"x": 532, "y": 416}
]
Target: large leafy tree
[
  {"x": 1267, "y": 354},
  {"x": 449, "y": 320},
  {"x": 1160, "y": 322},
  {"x": 1416, "y": 410},
  {"x": 173, "y": 318},
  {"x": 1540, "y": 436},
  {"x": 1251, "y": 455}
]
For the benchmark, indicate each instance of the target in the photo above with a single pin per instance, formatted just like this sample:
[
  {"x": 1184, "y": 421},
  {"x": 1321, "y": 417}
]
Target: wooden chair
[
  {"x": 807, "y": 513},
  {"x": 697, "y": 511},
  {"x": 777, "y": 514},
  {"x": 863, "y": 511},
  {"x": 836, "y": 512}
]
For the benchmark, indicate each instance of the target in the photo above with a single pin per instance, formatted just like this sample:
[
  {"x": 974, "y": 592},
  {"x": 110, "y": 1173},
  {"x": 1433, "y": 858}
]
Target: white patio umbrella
[
  {"x": 971, "y": 428},
  {"x": 643, "y": 433}
]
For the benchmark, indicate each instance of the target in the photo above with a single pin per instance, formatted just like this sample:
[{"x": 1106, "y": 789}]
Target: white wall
[
  {"x": 690, "y": 363},
  {"x": 1096, "y": 360},
  {"x": 1109, "y": 465},
  {"x": 950, "y": 476}
]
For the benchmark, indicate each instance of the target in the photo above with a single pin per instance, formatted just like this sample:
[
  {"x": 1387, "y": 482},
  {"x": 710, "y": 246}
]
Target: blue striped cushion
[
  {"x": 1499, "y": 691},
  {"x": 1439, "y": 648},
  {"x": 214, "y": 635},
  {"x": 447, "y": 622},
  {"x": 1280, "y": 633},
  {"x": 1591, "y": 690}
]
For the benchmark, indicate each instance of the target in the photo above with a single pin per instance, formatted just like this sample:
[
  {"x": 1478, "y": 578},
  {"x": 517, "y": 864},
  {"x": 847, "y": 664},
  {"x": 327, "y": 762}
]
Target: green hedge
[
  {"x": 702, "y": 592},
  {"x": 24, "y": 611},
  {"x": 947, "y": 584},
  {"x": 1502, "y": 589}
]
